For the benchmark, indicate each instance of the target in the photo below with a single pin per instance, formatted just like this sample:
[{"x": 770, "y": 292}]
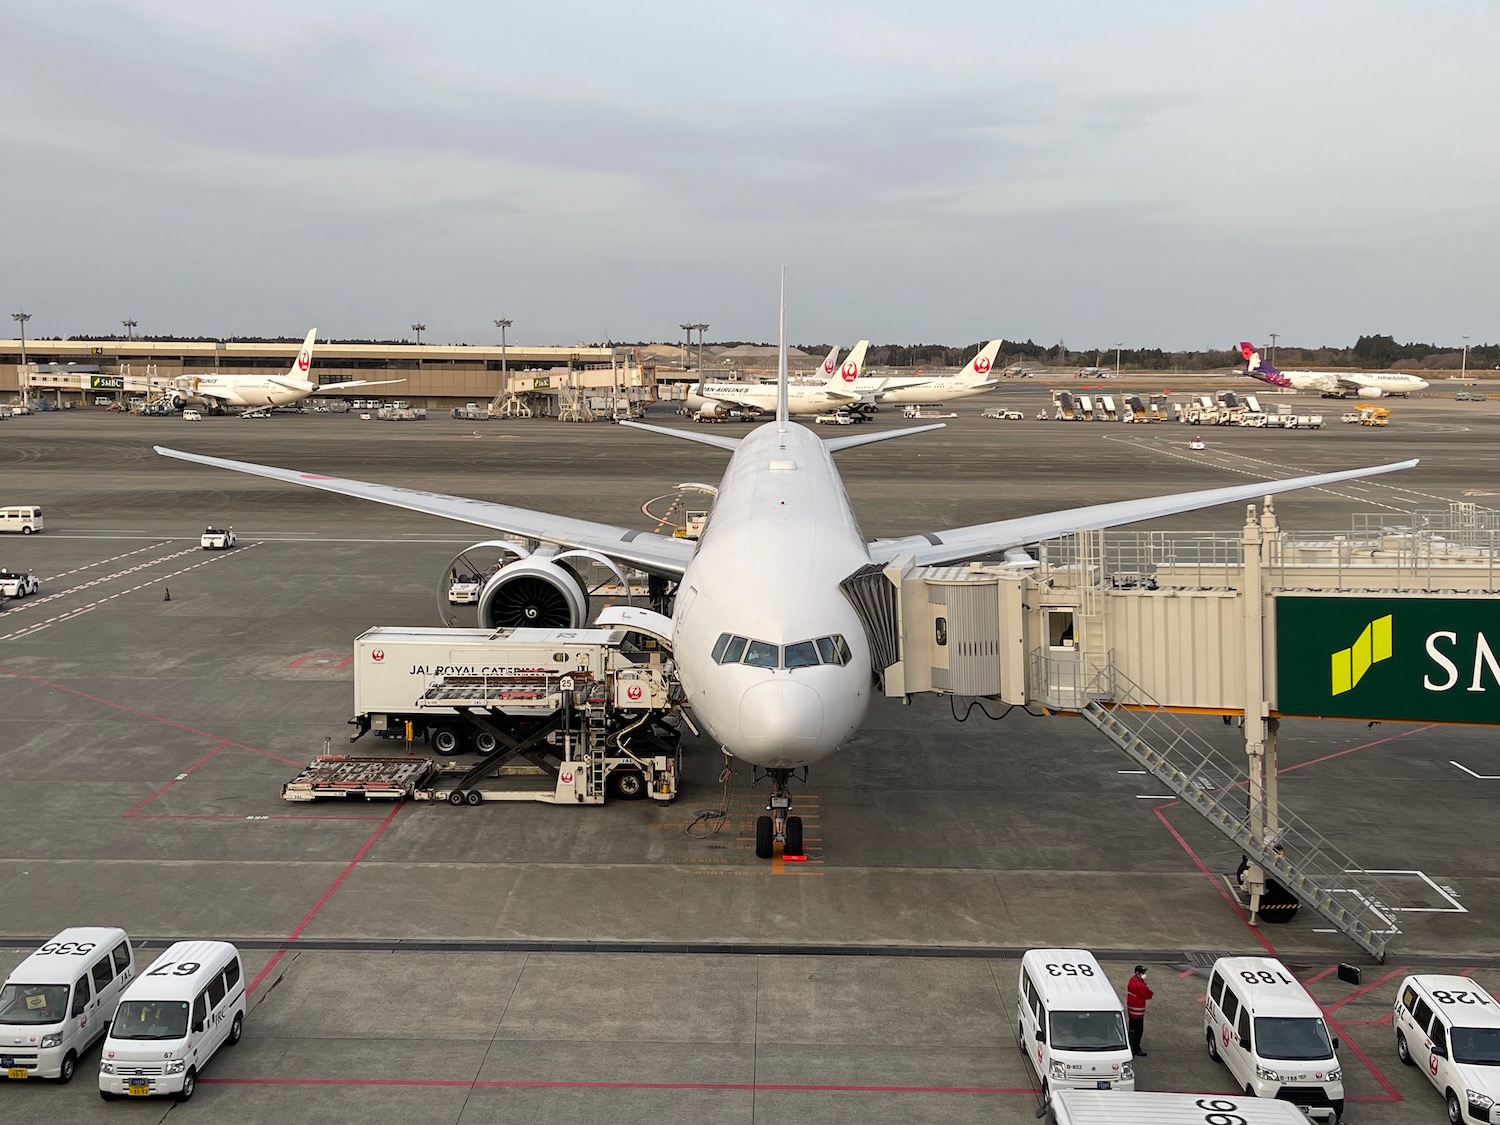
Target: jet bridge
[{"x": 1137, "y": 631}]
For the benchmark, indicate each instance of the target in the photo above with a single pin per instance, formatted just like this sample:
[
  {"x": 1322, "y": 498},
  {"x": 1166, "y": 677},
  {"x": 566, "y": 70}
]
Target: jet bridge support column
[{"x": 1255, "y": 705}]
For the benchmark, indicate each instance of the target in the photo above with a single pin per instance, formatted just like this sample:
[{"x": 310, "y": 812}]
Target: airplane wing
[
  {"x": 961, "y": 543},
  {"x": 343, "y": 386},
  {"x": 657, "y": 554}
]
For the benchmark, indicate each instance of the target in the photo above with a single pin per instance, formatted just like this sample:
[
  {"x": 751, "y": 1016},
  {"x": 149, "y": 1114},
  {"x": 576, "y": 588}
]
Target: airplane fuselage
[
  {"x": 935, "y": 392},
  {"x": 242, "y": 391},
  {"x": 768, "y": 569},
  {"x": 762, "y": 396}
]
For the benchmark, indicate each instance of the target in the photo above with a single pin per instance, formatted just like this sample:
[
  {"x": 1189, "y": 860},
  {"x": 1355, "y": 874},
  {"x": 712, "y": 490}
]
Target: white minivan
[
  {"x": 1071, "y": 1022},
  {"x": 1262, "y": 1024},
  {"x": 25, "y": 518},
  {"x": 57, "y": 1001},
  {"x": 172, "y": 1020},
  {"x": 1450, "y": 1028}
]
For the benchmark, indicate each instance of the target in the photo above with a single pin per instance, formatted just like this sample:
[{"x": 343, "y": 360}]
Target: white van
[
  {"x": 172, "y": 1020},
  {"x": 1071, "y": 1022},
  {"x": 1450, "y": 1028},
  {"x": 25, "y": 519},
  {"x": 57, "y": 1001},
  {"x": 1094, "y": 1107},
  {"x": 1261, "y": 1023}
]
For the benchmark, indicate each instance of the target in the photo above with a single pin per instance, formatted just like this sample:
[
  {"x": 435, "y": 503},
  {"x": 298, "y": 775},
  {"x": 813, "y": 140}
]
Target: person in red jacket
[{"x": 1137, "y": 992}]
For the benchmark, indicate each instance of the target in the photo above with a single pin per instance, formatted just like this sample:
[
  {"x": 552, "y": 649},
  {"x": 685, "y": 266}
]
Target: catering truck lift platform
[{"x": 560, "y": 716}]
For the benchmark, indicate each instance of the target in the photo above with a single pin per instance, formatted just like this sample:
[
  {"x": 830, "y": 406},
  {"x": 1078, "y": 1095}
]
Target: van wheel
[
  {"x": 189, "y": 1084},
  {"x": 65, "y": 1072},
  {"x": 237, "y": 1028},
  {"x": 1403, "y": 1052},
  {"x": 1249, "y": 1090},
  {"x": 1213, "y": 1048},
  {"x": 26, "y": 531},
  {"x": 1455, "y": 1111},
  {"x": 1021, "y": 1040}
]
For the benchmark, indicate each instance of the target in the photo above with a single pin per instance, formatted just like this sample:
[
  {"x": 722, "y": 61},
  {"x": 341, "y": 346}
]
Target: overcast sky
[{"x": 1173, "y": 174}]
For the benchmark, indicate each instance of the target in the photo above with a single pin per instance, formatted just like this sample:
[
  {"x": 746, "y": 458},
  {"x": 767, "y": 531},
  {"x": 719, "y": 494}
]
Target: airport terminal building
[{"x": 434, "y": 376}]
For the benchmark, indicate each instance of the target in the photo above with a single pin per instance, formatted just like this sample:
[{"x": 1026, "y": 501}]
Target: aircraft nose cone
[{"x": 781, "y": 714}]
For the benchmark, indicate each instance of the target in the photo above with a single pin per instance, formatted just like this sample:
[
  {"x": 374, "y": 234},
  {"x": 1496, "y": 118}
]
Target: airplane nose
[{"x": 781, "y": 713}]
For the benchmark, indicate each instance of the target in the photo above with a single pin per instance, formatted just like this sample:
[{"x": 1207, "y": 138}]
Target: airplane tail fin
[
  {"x": 783, "y": 411},
  {"x": 979, "y": 367},
  {"x": 301, "y": 369},
  {"x": 830, "y": 365},
  {"x": 851, "y": 369},
  {"x": 1258, "y": 368}
]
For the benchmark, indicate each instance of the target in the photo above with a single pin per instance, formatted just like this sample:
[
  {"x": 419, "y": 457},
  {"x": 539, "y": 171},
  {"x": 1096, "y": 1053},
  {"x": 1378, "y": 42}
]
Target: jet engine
[
  {"x": 713, "y": 409},
  {"x": 1371, "y": 392},
  {"x": 536, "y": 592}
]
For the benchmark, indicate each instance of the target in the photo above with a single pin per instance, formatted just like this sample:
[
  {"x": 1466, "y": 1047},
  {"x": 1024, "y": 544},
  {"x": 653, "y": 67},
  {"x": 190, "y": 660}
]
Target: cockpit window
[
  {"x": 803, "y": 654},
  {"x": 729, "y": 649},
  {"x": 720, "y": 646},
  {"x": 762, "y": 654},
  {"x": 826, "y": 651}
]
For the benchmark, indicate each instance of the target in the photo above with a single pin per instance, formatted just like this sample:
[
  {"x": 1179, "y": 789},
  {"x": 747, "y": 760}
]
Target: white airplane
[
  {"x": 719, "y": 398},
  {"x": 771, "y": 653},
  {"x": 1337, "y": 384},
  {"x": 974, "y": 379},
  {"x": 258, "y": 393}
]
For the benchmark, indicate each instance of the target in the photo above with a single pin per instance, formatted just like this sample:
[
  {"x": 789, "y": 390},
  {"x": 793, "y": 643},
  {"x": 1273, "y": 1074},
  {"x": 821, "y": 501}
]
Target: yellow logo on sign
[{"x": 1373, "y": 646}]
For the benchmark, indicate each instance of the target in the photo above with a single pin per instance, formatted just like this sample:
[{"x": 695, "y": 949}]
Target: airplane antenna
[{"x": 781, "y": 376}]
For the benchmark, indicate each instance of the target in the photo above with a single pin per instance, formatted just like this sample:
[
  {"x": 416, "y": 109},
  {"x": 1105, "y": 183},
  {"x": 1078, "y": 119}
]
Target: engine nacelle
[
  {"x": 534, "y": 593},
  {"x": 713, "y": 409},
  {"x": 1371, "y": 392}
]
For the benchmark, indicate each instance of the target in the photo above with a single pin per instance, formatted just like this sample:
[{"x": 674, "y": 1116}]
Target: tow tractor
[{"x": 560, "y": 716}]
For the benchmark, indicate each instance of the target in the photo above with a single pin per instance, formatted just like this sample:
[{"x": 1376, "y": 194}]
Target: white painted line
[
  {"x": 1322, "y": 930},
  {"x": 1156, "y": 796},
  {"x": 101, "y": 562},
  {"x": 1445, "y": 893},
  {"x": 1130, "y": 771},
  {"x": 1471, "y": 773}
]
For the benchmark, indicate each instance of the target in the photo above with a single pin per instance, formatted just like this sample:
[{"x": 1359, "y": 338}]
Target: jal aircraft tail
[
  {"x": 830, "y": 364},
  {"x": 979, "y": 368},
  {"x": 850, "y": 370},
  {"x": 299, "y": 375},
  {"x": 1258, "y": 368}
]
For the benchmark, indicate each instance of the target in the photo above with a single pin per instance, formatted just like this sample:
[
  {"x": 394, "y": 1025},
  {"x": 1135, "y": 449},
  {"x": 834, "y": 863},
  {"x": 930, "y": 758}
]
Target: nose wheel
[{"x": 779, "y": 825}]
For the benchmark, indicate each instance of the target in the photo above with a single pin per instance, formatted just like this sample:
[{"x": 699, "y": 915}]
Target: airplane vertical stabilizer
[
  {"x": 301, "y": 369},
  {"x": 782, "y": 410}
]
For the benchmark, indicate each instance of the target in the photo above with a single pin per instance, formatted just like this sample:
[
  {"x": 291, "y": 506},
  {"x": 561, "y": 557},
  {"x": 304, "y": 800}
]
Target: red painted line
[
  {"x": 518, "y": 1084},
  {"x": 1347, "y": 1041},
  {"x": 328, "y": 894},
  {"x": 109, "y": 703},
  {"x": 1315, "y": 978},
  {"x": 1358, "y": 992},
  {"x": 237, "y": 816},
  {"x": 201, "y": 761},
  {"x": 1160, "y": 811},
  {"x": 1353, "y": 749},
  {"x": 267, "y": 754}
]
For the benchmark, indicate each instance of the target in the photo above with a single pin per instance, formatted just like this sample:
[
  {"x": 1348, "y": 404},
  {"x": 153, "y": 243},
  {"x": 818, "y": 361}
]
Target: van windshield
[
  {"x": 1088, "y": 1031},
  {"x": 1477, "y": 1046},
  {"x": 33, "y": 1003},
  {"x": 1292, "y": 1038},
  {"x": 150, "y": 1019}
]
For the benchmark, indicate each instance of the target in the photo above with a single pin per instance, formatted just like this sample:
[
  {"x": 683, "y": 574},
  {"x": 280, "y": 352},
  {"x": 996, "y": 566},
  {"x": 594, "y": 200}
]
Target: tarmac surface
[{"x": 520, "y": 963}]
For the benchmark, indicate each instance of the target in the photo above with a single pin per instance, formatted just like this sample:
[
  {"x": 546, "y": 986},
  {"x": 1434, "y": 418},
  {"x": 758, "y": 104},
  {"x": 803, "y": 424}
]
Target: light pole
[
  {"x": 688, "y": 328},
  {"x": 129, "y": 325},
  {"x": 419, "y": 329},
  {"x": 503, "y": 324},
  {"x": 21, "y": 318},
  {"x": 1117, "y": 358},
  {"x": 1274, "y": 336},
  {"x": 1464, "y": 372},
  {"x": 702, "y": 328}
]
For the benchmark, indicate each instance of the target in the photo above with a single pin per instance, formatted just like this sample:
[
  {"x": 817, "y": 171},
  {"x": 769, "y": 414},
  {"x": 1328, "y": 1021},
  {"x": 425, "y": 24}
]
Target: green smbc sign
[
  {"x": 106, "y": 382},
  {"x": 1417, "y": 658}
]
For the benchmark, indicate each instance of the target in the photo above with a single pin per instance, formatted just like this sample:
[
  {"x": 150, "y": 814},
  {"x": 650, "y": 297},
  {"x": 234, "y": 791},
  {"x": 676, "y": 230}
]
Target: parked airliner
[
  {"x": 975, "y": 378},
  {"x": 260, "y": 392},
  {"x": 772, "y": 655},
  {"x": 1333, "y": 384}
]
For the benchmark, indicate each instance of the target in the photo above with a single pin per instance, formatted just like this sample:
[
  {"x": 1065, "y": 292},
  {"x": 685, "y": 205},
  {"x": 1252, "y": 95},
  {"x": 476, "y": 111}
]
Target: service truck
[
  {"x": 1122, "y": 1107},
  {"x": 590, "y": 709}
]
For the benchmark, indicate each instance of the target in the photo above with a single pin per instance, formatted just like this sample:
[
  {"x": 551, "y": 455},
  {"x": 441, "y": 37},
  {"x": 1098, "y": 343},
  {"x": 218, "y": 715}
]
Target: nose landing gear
[{"x": 780, "y": 826}]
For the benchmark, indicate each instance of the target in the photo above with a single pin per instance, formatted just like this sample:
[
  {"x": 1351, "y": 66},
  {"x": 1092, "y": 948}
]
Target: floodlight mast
[
  {"x": 21, "y": 318},
  {"x": 503, "y": 324}
]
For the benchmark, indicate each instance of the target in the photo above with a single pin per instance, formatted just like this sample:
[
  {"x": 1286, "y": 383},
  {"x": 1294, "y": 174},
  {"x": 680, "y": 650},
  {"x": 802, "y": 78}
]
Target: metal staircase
[{"x": 1296, "y": 855}]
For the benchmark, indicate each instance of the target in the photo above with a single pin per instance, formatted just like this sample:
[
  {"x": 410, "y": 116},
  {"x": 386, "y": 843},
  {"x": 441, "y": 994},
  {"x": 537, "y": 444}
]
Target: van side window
[
  {"x": 200, "y": 1008},
  {"x": 1231, "y": 1005},
  {"x": 215, "y": 991},
  {"x": 121, "y": 957},
  {"x": 1439, "y": 1039},
  {"x": 1216, "y": 990},
  {"x": 1422, "y": 1014},
  {"x": 1409, "y": 997},
  {"x": 232, "y": 975},
  {"x": 102, "y": 974},
  {"x": 80, "y": 996},
  {"x": 1244, "y": 1028}
]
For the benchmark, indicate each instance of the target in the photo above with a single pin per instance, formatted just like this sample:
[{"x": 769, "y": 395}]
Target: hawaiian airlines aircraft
[
  {"x": 771, "y": 653},
  {"x": 1336, "y": 384},
  {"x": 260, "y": 392}
]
